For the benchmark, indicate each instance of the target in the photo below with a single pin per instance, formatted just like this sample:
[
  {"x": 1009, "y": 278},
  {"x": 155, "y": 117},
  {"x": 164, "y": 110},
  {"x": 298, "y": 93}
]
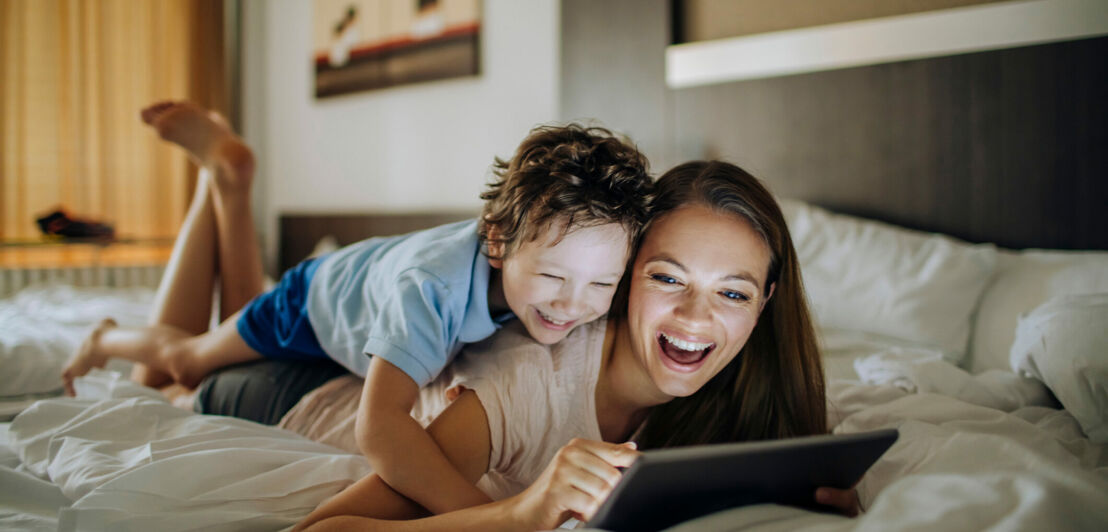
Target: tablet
[{"x": 668, "y": 486}]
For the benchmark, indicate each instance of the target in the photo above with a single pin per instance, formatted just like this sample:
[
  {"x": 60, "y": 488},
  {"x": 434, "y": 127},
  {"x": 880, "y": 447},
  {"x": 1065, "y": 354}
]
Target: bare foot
[
  {"x": 207, "y": 137},
  {"x": 86, "y": 357}
]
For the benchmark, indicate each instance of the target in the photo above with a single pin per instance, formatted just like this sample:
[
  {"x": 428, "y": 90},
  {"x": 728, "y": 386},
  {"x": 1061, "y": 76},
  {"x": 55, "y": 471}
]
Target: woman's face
[{"x": 696, "y": 293}]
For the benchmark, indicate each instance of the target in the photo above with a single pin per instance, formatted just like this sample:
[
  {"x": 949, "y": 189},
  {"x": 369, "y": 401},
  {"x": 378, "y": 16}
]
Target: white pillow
[
  {"x": 868, "y": 276},
  {"x": 1023, "y": 281},
  {"x": 1064, "y": 343}
]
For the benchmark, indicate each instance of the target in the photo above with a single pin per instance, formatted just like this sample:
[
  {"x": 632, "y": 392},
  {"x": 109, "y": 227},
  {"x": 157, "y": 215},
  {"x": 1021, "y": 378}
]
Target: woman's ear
[
  {"x": 495, "y": 247},
  {"x": 769, "y": 294}
]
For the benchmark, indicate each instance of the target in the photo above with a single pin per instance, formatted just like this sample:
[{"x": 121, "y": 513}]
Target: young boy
[{"x": 549, "y": 249}]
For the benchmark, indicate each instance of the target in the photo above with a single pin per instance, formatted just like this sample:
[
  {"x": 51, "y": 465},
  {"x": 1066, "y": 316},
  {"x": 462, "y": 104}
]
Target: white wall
[{"x": 417, "y": 147}]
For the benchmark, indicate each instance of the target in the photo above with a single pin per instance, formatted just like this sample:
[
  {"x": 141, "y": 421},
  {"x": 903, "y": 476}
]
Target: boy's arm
[
  {"x": 461, "y": 430},
  {"x": 574, "y": 483},
  {"x": 402, "y": 452}
]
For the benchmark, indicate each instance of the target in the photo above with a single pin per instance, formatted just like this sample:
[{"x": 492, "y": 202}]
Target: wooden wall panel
[
  {"x": 300, "y": 232},
  {"x": 1004, "y": 146}
]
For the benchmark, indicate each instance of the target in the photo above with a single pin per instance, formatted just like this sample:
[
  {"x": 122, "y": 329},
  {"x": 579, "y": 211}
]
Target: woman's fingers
[
  {"x": 845, "y": 501},
  {"x": 591, "y": 469},
  {"x": 592, "y": 466},
  {"x": 575, "y": 483}
]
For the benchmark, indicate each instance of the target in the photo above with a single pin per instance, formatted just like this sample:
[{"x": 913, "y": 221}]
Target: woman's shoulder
[
  {"x": 512, "y": 346},
  {"x": 505, "y": 352}
]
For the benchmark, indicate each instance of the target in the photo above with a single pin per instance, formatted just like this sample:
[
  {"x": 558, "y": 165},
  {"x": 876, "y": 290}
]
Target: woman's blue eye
[
  {"x": 736, "y": 296},
  {"x": 663, "y": 278}
]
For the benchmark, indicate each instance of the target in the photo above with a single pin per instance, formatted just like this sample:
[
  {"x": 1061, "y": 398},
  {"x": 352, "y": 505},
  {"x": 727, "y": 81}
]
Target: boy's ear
[{"x": 495, "y": 247}]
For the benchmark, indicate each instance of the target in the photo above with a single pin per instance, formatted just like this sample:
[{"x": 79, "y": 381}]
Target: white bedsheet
[
  {"x": 41, "y": 327},
  {"x": 131, "y": 461}
]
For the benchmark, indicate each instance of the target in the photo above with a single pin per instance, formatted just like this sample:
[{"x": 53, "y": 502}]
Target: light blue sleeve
[{"x": 416, "y": 326}]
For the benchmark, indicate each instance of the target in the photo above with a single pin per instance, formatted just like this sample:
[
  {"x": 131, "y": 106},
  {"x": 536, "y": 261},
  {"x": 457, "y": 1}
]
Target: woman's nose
[{"x": 694, "y": 309}]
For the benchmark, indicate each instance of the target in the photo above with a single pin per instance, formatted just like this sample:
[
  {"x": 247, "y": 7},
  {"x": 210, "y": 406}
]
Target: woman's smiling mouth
[{"x": 683, "y": 355}]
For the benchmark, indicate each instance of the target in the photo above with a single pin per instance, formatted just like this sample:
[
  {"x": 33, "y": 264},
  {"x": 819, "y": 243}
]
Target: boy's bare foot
[
  {"x": 207, "y": 137},
  {"x": 86, "y": 357}
]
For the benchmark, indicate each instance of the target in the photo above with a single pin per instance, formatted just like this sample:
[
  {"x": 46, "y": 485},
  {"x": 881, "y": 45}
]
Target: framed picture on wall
[{"x": 372, "y": 44}]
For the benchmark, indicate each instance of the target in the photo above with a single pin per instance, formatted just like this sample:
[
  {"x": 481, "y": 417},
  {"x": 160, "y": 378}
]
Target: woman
[{"x": 714, "y": 344}]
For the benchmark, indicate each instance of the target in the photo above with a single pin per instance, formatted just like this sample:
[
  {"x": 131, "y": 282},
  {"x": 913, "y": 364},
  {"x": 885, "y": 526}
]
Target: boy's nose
[{"x": 570, "y": 301}]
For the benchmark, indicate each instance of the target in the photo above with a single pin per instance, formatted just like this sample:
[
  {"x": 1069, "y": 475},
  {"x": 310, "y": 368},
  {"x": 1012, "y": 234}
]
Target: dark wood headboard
[
  {"x": 299, "y": 232},
  {"x": 1006, "y": 146}
]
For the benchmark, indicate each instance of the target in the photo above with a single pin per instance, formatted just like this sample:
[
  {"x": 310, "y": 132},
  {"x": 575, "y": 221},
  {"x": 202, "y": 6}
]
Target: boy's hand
[{"x": 574, "y": 484}]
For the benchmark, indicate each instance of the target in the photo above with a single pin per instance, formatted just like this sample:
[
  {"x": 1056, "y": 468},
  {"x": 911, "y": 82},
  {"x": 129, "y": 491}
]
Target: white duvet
[
  {"x": 130, "y": 461},
  {"x": 122, "y": 458},
  {"x": 41, "y": 327}
]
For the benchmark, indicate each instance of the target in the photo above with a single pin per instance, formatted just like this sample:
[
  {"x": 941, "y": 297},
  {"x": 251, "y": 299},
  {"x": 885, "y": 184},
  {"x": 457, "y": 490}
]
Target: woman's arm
[
  {"x": 574, "y": 484},
  {"x": 461, "y": 431}
]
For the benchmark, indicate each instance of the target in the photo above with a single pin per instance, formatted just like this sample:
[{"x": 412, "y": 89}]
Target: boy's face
[{"x": 552, "y": 288}]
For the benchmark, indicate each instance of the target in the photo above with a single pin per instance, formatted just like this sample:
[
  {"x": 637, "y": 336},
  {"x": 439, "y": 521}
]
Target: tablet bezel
[{"x": 668, "y": 484}]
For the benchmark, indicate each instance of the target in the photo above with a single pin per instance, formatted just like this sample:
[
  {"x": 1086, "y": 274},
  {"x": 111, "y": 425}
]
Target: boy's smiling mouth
[
  {"x": 683, "y": 355},
  {"x": 552, "y": 323}
]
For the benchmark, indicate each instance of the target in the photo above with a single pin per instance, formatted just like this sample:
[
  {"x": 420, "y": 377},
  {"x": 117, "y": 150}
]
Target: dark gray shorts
[{"x": 262, "y": 391}]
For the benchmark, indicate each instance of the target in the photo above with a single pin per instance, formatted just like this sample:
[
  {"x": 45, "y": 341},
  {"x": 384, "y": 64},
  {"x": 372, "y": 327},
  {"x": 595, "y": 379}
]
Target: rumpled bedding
[
  {"x": 41, "y": 327},
  {"x": 121, "y": 458},
  {"x": 956, "y": 466}
]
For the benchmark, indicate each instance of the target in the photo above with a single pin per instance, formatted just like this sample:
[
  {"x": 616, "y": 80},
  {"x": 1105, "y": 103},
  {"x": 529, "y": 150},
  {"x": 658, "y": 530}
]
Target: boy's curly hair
[{"x": 582, "y": 176}]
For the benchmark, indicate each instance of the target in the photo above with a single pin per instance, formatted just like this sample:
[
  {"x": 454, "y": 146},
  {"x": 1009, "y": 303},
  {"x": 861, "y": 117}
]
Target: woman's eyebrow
[
  {"x": 740, "y": 276},
  {"x": 669, "y": 260}
]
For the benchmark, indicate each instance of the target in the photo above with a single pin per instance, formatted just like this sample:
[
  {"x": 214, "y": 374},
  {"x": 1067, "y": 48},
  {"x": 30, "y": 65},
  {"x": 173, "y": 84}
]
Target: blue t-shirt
[{"x": 412, "y": 300}]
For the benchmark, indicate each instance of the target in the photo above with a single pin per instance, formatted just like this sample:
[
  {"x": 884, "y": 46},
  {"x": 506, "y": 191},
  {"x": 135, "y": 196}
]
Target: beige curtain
[{"x": 75, "y": 74}]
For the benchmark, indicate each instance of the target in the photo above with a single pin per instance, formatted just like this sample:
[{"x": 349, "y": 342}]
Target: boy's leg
[
  {"x": 226, "y": 243},
  {"x": 241, "y": 277},
  {"x": 211, "y": 243},
  {"x": 184, "y": 298},
  {"x": 163, "y": 348}
]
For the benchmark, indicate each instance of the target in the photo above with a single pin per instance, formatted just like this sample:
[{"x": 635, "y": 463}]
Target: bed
[
  {"x": 1001, "y": 425},
  {"x": 991, "y": 361}
]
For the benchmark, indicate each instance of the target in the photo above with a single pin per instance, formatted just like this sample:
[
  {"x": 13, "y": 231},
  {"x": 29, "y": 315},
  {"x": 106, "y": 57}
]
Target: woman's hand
[
  {"x": 574, "y": 484},
  {"x": 845, "y": 501}
]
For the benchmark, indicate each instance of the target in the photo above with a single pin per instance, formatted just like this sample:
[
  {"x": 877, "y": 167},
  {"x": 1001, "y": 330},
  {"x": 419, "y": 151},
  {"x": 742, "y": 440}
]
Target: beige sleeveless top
[{"x": 535, "y": 397}]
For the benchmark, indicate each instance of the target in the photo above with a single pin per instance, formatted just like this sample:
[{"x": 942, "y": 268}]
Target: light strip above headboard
[{"x": 883, "y": 40}]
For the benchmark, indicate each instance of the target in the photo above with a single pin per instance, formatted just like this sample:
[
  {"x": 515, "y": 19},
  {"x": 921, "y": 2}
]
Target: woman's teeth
[
  {"x": 686, "y": 346},
  {"x": 684, "y": 352}
]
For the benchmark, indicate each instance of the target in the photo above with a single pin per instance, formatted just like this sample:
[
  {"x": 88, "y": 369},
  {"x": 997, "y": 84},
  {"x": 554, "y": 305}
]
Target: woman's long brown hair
[{"x": 774, "y": 388}]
